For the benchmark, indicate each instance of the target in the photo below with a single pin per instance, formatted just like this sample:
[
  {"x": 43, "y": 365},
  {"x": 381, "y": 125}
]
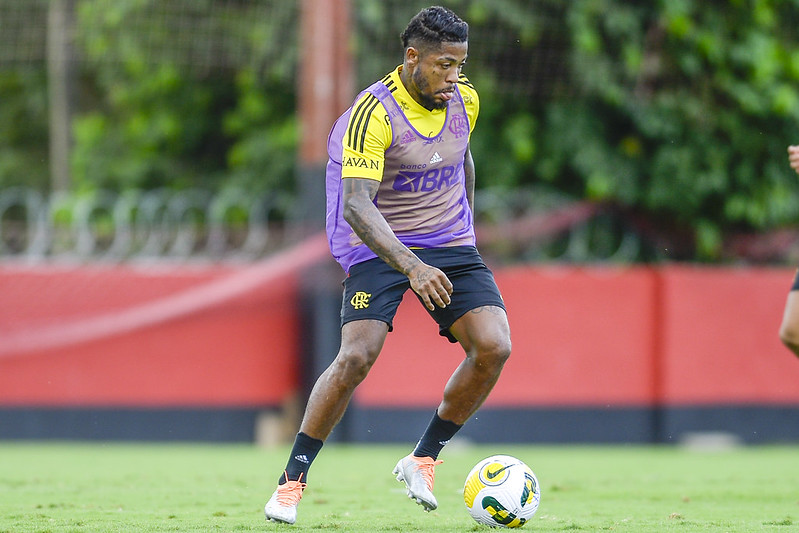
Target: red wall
[
  {"x": 612, "y": 337},
  {"x": 601, "y": 336},
  {"x": 188, "y": 336},
  {"x": 720, "y": 337}
]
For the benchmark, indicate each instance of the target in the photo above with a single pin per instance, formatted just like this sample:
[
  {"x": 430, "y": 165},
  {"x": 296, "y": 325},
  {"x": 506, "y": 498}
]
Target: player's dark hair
[{"x": 432, "y": 26}]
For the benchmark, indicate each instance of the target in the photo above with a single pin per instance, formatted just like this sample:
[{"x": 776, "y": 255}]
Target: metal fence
[
  {"x": 526, "y": 225},
  {"x": 137, "y": 225}
]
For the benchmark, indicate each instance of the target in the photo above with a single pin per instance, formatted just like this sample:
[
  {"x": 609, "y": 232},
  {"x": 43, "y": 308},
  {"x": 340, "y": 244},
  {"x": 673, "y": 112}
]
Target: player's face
[{"x": 432, "y": 82}]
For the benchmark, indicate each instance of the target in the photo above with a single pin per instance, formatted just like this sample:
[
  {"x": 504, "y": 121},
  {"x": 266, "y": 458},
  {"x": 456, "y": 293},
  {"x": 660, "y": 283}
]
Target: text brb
[{"x": 426, "y": 181}]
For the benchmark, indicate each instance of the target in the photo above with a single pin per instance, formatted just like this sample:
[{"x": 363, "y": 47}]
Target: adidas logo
[
  {"x": 436, "y": 159},
  {"x": 443, "y": 442},
  {"x": 302, "y": 458}
]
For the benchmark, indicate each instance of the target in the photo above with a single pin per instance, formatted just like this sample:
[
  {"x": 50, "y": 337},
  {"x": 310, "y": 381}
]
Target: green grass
[{"x": 122, "y": 487}]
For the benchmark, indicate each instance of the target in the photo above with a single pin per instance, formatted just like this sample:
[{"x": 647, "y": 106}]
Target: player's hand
[
  {"x": 431, "y": 284},
  {"x": 793, "y": 157}
]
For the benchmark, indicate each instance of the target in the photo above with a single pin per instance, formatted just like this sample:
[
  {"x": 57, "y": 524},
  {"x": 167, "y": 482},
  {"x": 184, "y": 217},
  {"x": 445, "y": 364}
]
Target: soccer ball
[{"x": 501, "y": 491}]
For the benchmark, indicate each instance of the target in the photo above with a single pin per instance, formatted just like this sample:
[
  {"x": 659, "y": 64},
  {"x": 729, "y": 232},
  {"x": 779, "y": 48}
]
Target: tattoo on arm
[{"x": 370, "y": 225}]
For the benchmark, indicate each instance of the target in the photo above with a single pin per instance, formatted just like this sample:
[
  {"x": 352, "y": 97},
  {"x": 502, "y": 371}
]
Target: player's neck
[{"x": 405, "y": 76}]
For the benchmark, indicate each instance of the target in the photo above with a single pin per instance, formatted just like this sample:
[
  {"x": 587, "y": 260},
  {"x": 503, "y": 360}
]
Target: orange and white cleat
[
  {"x": 282, "y": 506},
  {"x": 418, "y": 473}
]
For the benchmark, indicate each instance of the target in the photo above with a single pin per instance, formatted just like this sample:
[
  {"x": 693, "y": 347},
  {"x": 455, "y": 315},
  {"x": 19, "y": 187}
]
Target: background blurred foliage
[
  {"x": 23, "y": 128},
  {"x": 161, "y": 117},
  {"x": 677, "y": 112},
  {"x": 689, "y": 108}
]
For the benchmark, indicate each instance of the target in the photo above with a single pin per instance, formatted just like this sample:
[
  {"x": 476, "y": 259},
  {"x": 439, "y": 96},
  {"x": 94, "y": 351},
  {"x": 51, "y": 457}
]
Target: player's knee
[
  {"x": 354, "y": 365},
  {"x": 503, "y": 350},
  {"x": 495, "y": 352}
]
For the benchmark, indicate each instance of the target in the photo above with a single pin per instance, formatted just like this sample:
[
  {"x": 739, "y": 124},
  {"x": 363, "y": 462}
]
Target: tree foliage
[
  {"x": 677, "y": 111},
  {"x": 158, "y": 114},
  {"x": 685, "y": 113},
  {"x": 23, "y": 128}
]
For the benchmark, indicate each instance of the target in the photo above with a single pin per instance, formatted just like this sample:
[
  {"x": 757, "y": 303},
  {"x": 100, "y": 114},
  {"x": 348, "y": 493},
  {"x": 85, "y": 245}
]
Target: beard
[{"x": 426, "y": 98}]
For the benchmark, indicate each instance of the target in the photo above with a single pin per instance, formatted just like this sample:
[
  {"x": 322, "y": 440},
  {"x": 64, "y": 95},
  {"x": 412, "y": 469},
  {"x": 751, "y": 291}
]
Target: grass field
[{"x": 123, "y": 487}]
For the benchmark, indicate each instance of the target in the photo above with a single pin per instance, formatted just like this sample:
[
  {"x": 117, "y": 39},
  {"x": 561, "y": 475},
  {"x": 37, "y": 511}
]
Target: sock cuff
[
  {"x": 302, "y": 455},
  {"x": 309, "y": 442},
  {"x": 447, "y": 424},
  {"x": 435, "y": 437}
]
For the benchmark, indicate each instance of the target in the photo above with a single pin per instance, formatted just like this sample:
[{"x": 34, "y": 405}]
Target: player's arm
[
  {"x": 360, "y": 212},
  {"x": 472, "y": 104},
  {"x": 468, "y": 170},
  {"x": 793, "y": 157}
]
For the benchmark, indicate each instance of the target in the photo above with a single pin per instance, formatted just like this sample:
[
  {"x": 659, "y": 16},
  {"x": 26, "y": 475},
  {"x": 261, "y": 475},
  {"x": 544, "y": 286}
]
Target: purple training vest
[{"x": 422, "y": 195}]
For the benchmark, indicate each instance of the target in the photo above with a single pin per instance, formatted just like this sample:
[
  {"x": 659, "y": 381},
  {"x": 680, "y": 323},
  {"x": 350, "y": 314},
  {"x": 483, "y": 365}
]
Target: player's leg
[
  {"x": 361, "y": 342},
  {"x": 372, "y": 293},
  {"x": 484, "y": 334},
  {"x": 789, "y": 329},
  {"x": 476, "y": 319}
]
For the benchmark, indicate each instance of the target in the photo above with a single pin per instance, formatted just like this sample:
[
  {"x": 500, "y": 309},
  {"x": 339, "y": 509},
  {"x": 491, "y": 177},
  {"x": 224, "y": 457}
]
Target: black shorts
[{"x": 374, "y": 290}]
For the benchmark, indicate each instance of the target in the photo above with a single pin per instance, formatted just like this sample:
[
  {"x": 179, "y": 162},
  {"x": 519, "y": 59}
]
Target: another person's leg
[{"x": 789, "y": 329}]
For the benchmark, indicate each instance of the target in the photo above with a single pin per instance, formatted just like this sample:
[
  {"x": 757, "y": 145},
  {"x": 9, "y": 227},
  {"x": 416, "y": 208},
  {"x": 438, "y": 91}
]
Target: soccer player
[
  {"x": 789, "y": 329},
  {"x": 400, "y": 190}
]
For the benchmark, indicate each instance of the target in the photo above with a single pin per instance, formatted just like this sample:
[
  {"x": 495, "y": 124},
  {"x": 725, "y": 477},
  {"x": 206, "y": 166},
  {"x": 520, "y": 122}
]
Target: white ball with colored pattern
[{"x": 501, "y": 491}]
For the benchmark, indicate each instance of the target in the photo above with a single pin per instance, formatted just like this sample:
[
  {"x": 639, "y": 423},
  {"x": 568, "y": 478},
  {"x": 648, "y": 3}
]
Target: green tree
[
  {"x": 159, "y": 113},
  {"x": 685, "y": 113},
  {"x": 23, "y": 128},
  {"x": 675, "y": 111}
]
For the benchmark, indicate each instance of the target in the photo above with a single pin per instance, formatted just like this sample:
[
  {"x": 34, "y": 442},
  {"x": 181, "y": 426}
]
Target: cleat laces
[
  {"x": 290, "y": 492},
  {"x": 426, "y": 468}
]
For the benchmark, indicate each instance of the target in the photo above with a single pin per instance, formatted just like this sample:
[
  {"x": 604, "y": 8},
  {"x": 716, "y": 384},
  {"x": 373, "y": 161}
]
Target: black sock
[
  {"x": 435, "y": 437},
  {"x": 302, "y": 455}
]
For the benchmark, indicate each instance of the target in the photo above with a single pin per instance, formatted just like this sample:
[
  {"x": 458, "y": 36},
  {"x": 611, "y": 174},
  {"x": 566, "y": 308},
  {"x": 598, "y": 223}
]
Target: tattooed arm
[{"x": 430, "y": 283}]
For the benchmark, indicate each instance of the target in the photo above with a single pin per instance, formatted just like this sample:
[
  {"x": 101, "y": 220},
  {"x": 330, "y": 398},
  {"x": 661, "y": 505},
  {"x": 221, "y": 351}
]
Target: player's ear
[{"x": 411, "y": 56}]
